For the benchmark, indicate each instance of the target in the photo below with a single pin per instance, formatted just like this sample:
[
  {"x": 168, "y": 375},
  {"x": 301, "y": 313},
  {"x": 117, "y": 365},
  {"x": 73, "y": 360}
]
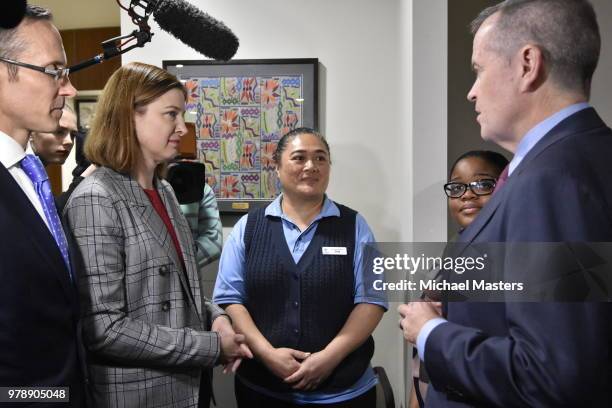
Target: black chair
[{"x": 384, "y": 392}]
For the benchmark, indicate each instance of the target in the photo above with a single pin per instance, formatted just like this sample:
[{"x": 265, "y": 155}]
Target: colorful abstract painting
[{"x": 239, "y": 121}]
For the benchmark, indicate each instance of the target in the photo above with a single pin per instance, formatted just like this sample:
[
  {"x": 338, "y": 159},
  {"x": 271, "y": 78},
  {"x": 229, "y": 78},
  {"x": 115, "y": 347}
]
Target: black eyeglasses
[
  {"x": 482, "y": 187},
  {"x": 59, "y": 74}
]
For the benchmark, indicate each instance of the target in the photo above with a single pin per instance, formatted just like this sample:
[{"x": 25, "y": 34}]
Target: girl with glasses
[
  {"x": 470, "y": 186},
  {"x": 471, "y": 182}
]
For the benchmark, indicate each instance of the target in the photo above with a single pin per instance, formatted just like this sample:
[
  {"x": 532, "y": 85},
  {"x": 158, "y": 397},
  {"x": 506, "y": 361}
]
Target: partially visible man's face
[
  {"x": 34, "y": 100},
  {"x": 495, "y": 91},
  {"x": 54, "y": 148}
]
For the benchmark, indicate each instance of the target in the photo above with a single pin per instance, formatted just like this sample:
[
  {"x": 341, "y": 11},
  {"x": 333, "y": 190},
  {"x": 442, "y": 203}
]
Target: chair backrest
[{"x": 384, "y": 392}]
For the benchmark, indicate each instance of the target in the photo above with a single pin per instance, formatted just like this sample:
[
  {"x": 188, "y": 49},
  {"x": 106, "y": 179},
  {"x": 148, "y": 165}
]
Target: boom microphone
[
  {"x": 196, "y": 29},
  {"x": 184, "y": 21},
  {"x": 13, "y": 12}
]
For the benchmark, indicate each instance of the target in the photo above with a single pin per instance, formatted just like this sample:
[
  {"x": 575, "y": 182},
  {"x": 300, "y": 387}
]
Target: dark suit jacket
[
  {"x": 535, "y": 354},
  {"x": 38, "y": 302}
]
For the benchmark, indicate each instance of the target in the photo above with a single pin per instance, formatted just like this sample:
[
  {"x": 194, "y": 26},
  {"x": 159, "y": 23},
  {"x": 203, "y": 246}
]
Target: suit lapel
[
  {"x": 580, "y": 122},
  {"x": 183, "y": 234},
  {"x": 134, "y": 194},
  {"x": 21, "y": 210}
]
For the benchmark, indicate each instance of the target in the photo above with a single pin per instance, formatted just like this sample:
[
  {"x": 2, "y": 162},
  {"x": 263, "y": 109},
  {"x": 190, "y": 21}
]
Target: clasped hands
[
  {"x": 233, "y": 345},
  {"x": 414, "y": 315},
  {"x": 304, "y": 371}
]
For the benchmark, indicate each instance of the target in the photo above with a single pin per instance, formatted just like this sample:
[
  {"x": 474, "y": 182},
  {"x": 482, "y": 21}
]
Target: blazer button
[
  {"x": 163, "y": 270},
  {"x": 166, "y": 306}
]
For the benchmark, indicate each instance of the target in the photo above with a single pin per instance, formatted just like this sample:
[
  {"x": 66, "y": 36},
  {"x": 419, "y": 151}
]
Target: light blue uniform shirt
[
  {"x": 530, "y": 139},
  {"x": 230, "y": 286}
]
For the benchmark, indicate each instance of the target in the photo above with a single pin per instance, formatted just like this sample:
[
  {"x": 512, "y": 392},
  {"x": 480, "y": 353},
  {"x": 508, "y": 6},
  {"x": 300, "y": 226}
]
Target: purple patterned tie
[
  {"x": 35, "y": 170},
  {"x": 501, "y": 180}
]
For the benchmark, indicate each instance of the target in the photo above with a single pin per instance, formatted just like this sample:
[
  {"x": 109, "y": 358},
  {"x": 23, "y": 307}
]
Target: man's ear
[{"x": 531, "y": 63}]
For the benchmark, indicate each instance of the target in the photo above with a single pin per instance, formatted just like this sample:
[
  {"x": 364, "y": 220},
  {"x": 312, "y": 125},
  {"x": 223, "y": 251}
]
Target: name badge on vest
[{"x": 334, "y": 251}]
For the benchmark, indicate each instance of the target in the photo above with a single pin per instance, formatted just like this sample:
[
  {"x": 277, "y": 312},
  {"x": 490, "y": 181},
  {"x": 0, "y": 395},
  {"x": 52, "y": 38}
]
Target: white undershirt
[{"x": 11, "y": 153}]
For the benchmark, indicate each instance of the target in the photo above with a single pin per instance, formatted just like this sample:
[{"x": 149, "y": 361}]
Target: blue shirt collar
[
  {"x": 536, "y": 133},
  {"x": 330, "y": 209}
]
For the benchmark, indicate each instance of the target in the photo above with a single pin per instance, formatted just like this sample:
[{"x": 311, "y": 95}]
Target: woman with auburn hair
[{"x": 145, "y": 324}]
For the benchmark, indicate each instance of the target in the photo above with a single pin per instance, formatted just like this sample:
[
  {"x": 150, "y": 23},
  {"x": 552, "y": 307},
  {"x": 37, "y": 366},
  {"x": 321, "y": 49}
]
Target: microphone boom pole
[
  {"x": 185, "y": 22},
  {"x": 113, "y": 46}
]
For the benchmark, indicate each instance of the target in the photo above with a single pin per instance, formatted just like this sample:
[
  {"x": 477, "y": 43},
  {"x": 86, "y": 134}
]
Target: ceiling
[{"x": 71, "y": 14}]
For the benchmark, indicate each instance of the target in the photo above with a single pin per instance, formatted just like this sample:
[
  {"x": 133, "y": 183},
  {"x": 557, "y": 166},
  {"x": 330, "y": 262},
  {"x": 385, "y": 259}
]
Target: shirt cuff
[
  {"x": 371, "y": 301},
  {"x": 227, "y": 300},
  {"x": 424, "y": 334}
]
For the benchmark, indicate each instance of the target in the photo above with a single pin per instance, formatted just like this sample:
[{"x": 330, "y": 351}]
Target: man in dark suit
[
  {"x": 38, "y": 301},
  {"x": 534, "y": 60}
]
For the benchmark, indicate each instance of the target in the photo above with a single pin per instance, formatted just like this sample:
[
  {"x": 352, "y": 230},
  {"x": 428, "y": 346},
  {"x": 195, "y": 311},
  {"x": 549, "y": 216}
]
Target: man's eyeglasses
[
  {"x": 480, "y": 188},
  {"x": 59, "y": 74}
]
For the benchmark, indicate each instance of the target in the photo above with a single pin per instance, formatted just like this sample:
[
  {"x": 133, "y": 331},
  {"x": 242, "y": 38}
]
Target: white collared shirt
[{"x": 11, "y": 154}]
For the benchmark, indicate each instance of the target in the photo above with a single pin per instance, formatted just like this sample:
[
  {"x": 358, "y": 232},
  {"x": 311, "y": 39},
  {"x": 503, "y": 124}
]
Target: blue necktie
[{"x": 35, "y": 170}]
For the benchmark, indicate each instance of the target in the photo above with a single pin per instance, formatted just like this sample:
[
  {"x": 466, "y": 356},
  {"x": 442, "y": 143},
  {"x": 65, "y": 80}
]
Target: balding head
[{"x": 566, "y": 31}]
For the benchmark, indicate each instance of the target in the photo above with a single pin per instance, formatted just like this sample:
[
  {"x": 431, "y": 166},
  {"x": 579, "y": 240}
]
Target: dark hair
[
  {"x": 11, "y": 44},
  {"x": 497, "y": 160},
  {"x": 282, "y": 143},
  {"x": 566, "y": 31}
]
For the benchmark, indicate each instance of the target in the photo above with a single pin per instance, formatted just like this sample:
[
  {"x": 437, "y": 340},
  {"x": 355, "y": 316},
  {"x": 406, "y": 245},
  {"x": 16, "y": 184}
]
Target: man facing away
[
  {"x": 38, "y": 299},
  {"x": 534, "y": 60}
]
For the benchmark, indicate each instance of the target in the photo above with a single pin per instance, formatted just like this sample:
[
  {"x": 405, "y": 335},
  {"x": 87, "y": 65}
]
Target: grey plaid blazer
[{"x": 143, "y": 324}]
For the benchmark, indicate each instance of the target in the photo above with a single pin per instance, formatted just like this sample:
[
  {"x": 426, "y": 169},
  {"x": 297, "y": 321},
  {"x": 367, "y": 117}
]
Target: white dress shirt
[{"x": 11, "y": 154}]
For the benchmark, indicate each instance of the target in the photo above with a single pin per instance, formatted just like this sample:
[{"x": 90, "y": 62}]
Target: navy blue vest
[{"x": 302, "y": 306}]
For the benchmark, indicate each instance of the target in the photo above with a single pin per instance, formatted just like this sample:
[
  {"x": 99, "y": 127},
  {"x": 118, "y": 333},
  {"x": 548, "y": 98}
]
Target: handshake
[{"x": 233, "y": 345}]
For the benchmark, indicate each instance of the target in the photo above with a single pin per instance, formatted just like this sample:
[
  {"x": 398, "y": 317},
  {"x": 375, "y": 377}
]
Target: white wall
[
  {"x": 361, "y": 97},
  {"x": 429, "y": 124},
  {"x": 72, "y": 14},
  {"x": 365, "y": 104}
]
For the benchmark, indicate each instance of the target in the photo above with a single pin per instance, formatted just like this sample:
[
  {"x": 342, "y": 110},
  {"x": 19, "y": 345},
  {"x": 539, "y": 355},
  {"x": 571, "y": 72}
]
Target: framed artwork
[
  {"x": 85, "y": 109},
  {"x": 241, "y": 108}
]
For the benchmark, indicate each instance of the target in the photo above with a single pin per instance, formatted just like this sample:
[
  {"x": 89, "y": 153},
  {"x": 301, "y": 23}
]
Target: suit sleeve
[
  {"x": 108, "y": 330},
  {"x": 213, "y": 311},
  {"x": 555, "y": 354}
]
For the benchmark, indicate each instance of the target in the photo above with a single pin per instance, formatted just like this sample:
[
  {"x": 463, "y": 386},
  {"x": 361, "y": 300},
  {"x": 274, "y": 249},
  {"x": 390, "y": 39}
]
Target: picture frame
[
  {"x": 240, "y": 109},
  {"x": 85, "y": 108}
]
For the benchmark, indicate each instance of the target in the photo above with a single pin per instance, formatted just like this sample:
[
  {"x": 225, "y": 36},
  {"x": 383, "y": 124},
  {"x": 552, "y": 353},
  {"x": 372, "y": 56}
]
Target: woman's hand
[
  {"x": 283, "y": 361},
  {"x": 313, "y": 371},
  {"x": 233, "y": 346}
]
